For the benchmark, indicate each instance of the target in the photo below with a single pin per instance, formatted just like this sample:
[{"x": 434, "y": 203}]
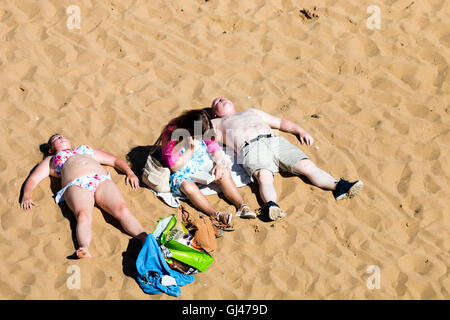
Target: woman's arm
[
  {"x": 218, "y": 156},
  {"x": 41, "y": 172},
  {"x": 176, "y": 154},
  {"x": 111, "y": 160}
]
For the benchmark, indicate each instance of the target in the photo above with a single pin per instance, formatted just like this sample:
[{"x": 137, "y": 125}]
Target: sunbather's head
[
  {"x": 57, "y": 142},
  {"x": 196, "y": 122},
  {"x": 222, "y": 107}
]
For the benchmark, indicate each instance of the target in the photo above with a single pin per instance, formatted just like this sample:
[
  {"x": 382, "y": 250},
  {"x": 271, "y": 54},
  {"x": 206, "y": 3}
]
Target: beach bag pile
[{"x": 171, "y": 255}]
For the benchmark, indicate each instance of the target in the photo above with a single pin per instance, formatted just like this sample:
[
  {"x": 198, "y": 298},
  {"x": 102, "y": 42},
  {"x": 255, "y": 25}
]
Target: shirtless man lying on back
[{"x": 262, "y": 153}]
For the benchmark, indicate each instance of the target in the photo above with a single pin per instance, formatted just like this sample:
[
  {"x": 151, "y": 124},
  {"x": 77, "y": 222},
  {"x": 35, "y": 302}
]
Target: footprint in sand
[
  {"x": 30, "y": 9},
  {"x": 430, "y": 185},
  {"x": 411, "y": 263},
  {"x": 3, "y": 165},
  {"x": 357, "y": 47},
  {"x": 403, "y": 185},
  {"x": 53, "y": 53},
  {"x": 427, "y": 151},
  {"x": 98, "y": 279},
  {"x": 399, "y": 285},
  {"x": 260, "y": 234}
]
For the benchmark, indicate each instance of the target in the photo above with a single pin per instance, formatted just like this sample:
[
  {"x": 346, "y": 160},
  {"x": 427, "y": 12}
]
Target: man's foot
[
  {"x": 245, "y": 213},
  {"x": 274, "y": 211},
  {"x": 346, "y": 189},
  {"x": 83, "y": 253}
]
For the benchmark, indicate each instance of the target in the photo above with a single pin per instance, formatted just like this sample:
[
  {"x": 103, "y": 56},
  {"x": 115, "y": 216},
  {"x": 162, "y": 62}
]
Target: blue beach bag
[{"x": 154, "y": 274}]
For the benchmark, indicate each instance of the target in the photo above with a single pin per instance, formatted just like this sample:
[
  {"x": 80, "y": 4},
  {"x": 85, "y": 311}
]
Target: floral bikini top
[{"x": 61, "y": 157}]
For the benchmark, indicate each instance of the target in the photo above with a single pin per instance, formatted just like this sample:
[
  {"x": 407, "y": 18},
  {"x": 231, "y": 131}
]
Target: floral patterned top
[
  {"x": 61, "y": 157},
  {"x": 201, "y": 160}
]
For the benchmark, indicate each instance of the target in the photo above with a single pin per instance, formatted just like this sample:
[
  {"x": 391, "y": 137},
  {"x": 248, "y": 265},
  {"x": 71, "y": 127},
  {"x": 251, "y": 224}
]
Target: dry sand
[{"x": 382, "y": 100}]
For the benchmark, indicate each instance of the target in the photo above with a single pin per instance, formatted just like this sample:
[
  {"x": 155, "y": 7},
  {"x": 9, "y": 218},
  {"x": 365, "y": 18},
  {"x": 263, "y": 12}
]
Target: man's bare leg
[
  {"x": 268, "y": 193},
  {"x": 317, "y": 176},
  {"x": 342, "y": 189},
  {"x": 266, "y": 188}
]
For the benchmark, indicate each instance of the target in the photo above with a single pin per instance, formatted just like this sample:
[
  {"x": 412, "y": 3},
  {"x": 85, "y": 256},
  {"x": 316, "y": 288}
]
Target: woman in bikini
[
  {"x": 85, "y": 182},
  {"x": 187, "y": 151}
]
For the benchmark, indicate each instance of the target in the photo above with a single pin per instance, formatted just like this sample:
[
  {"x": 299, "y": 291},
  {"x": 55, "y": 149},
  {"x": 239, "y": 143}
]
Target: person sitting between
[{"x": 188, "y": 153}]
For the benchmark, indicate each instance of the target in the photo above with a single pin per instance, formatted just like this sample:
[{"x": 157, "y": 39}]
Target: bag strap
[{"x": 155, "y": 146}]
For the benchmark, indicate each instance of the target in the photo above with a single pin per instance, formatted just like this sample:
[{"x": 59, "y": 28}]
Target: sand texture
[{"x": 375, "y": 101}]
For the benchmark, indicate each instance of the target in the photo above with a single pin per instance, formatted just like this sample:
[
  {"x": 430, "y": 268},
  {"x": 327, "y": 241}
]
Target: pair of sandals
[{"x": 222, "y": 220}]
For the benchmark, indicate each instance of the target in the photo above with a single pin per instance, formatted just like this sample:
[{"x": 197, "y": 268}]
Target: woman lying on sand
[
  {"x": 85, "y": 182},
  {"x": 187, "y": 152}
]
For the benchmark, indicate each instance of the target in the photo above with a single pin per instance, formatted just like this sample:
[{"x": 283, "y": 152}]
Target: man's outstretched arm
[{"x": 286, "y": 125}]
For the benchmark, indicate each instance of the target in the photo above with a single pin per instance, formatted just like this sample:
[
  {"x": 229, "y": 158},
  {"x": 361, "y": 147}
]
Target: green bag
[{"x": 170, "y": 233}]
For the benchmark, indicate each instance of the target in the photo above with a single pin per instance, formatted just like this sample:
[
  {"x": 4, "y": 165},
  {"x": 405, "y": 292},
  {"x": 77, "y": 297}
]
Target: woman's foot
[
  {"x": 83, "y": 253},
  {"x": 244, "y": 212}
]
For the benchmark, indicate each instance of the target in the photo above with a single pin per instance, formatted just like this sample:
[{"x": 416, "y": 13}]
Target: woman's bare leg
[
  {"x": 230, "y": 191},
  {"x": 109, "y": 198},
  {"x": 191, "y": 190},
  {"x": 81, "y": 202}
]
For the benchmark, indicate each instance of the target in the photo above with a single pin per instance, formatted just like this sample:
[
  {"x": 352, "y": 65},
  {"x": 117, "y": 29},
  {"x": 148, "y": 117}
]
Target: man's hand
[
  {"x": 304, "y": 137},
  {"x": 286, "y": 125}
]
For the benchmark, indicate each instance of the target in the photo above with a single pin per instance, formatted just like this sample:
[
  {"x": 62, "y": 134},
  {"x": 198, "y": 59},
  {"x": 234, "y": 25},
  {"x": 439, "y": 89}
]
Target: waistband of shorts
[{"x": 261, "y": 136}]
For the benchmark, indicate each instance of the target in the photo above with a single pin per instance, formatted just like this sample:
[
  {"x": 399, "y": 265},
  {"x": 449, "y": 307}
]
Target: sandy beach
[{"x": 376, "y": 101}]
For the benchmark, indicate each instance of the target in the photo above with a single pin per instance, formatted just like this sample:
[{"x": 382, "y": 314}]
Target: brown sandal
[
  {"x": 222, "y": 221},
  {"x": 184, "y": 216},
  {"x": 217, "y": 232}
]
